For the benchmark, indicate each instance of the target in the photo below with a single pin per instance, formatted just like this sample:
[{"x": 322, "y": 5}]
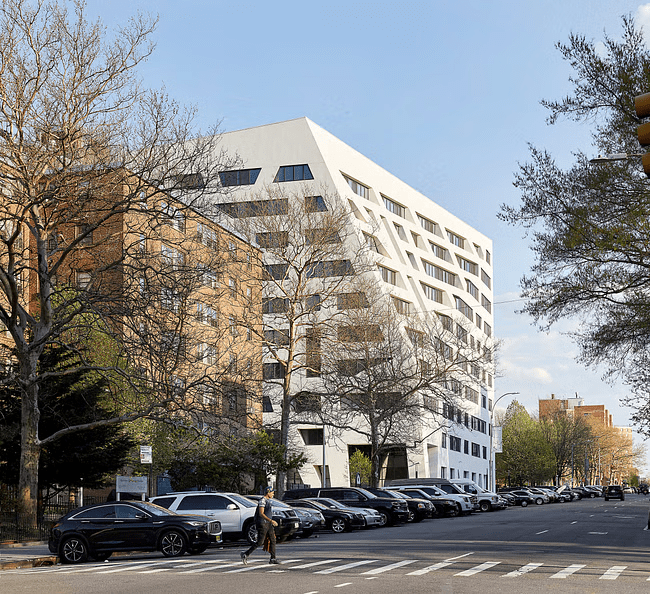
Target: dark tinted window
[
  {"x": 105, "y": 511},
  {"x": 128, "y": 511},
  {"x": 164, "y": 501}
]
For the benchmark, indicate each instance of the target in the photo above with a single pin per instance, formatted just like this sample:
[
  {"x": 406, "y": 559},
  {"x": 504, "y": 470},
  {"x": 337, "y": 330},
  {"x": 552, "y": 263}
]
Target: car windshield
[
  {"x": 317, "y": 504},
  {"x": 278, "y": 503},
  {"x": 245, "y": 501},
  {"x": 367, "y": 493}
]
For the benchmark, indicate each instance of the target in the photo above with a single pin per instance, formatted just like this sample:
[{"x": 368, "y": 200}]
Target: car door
[
  {"x": 134, "y": 528},
  {"x": 97, "y": 525}
]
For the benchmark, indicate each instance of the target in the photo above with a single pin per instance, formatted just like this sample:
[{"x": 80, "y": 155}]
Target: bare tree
[
  {"x": 396, "y": 378},
  {"x": 95, "y": 172},
  {"x": 312, "y": 256}
]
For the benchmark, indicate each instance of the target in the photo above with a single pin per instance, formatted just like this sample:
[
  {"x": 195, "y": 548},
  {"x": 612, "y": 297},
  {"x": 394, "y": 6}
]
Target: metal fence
[{"x": 17, "y": 527}]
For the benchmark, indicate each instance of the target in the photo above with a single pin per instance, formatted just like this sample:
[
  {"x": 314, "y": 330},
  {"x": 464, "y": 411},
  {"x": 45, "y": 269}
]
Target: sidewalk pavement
[{"x": 25, "y": 554}]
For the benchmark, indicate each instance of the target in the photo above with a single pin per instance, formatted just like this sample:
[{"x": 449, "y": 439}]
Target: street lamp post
[{"x": 492, "y": 469}]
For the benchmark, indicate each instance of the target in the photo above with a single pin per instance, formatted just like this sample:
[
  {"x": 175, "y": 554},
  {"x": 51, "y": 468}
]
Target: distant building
[{"x": 574, "y": 407}]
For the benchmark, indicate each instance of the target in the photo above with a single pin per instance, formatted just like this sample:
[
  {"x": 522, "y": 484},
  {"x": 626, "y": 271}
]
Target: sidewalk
[{"x": 25, "y": 554}]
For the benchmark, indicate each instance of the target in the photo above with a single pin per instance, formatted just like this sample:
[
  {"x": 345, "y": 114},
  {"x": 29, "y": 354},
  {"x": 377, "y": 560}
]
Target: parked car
[
  {"x": 99, "y": 530},
  {"x": 235, "y": 512},
  {"x": 487, "y": 500},
  {"x": 465, "y": 503},
  {"x": 614, "y": 492},
  {"x": 393, "y": 509},
  {"x": 310, "y": 520},
  {"x": 419, "y": 508},
  {"x": 522, "y": 497},
  {"x": 443, "y": 505},
  {"x": 539, "y": 496},
  {"x": 337, "y": 519}
]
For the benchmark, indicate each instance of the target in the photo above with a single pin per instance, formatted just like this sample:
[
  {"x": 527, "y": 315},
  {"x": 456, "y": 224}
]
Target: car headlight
[
  {"x": 194, "y": 523},
  {"x": 420, "y": 505}
]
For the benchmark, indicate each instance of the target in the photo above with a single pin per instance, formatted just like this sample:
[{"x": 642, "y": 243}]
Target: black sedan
[
  {"x": 336, "y": 519},
  {"x": 99, "y": 530}
]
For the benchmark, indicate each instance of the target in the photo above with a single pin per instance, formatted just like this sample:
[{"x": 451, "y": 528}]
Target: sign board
[
  {"x": 497, "y": 440},
  {"x": 146, "y": 455},
  {"x": 131, "y": 484}
]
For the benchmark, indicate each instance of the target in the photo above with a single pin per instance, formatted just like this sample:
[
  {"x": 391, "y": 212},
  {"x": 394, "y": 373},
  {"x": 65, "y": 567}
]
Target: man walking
[{"x": 265, "y": 523}]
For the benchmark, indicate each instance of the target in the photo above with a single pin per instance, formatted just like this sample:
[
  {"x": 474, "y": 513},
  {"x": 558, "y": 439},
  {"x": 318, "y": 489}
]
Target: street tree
[
  {"x": 99, "y": 177},
  {"x": 311, "y": 259},
  {"x": 526, "y": 456},
  {"x": 562, "y": 433},
  {"x": 395, "y": 377},
  {"x": 589, "y": 223}
]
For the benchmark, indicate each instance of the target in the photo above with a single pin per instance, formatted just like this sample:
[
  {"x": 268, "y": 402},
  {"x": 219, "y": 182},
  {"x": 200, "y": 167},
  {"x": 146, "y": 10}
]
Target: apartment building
[
  {"x": 167, "y": 280},
  {"x": 426, "y": 259}
]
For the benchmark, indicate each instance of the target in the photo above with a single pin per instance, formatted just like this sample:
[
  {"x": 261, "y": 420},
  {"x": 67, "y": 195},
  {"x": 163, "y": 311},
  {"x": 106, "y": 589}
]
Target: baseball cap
[{"x": 269, "y": 490}]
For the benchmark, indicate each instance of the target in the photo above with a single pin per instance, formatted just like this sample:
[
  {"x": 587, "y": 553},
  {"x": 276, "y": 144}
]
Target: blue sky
[{"x": 443, "y": 94}]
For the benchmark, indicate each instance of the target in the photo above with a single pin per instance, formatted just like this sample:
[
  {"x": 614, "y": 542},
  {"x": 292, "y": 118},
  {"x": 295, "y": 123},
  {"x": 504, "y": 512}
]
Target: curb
[{"x": 26, "y": 563}]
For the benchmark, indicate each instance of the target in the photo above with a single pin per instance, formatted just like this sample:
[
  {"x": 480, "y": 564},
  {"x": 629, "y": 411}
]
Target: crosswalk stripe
[
  {"x": 613, "y": 572},
  {"x": 202, "y": 569},
  {"x": 314, "y": 564},
  {"x": 388, "y": 567},
  {"x": 565, "y": 573},
  {"x": 477, "y": 569},
  {"x": 523, "y": 570},
  {"x": 348, "y": 566},
  {"x": 267, "y": 566},
  {"x": 439, "y": 565}
]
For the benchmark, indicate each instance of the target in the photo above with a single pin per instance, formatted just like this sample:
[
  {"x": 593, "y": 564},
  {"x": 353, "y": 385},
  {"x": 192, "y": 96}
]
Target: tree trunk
[{"x": 29, "y": 455}]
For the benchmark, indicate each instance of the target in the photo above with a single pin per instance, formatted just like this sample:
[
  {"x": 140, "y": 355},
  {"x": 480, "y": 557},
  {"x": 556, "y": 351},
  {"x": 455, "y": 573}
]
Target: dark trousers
[{"x": 263, "y": 530}]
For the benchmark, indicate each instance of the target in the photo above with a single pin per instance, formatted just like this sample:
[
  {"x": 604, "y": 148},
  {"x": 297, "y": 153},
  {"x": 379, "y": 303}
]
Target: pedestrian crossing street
[{"x": 461, "y": 566}]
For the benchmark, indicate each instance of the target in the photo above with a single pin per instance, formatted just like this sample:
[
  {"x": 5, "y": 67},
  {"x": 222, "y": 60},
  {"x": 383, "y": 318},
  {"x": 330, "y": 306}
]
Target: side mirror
[{"x": 231, "y": 506}]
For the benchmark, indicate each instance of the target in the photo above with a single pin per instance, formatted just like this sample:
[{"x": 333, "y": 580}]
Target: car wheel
[
  {"x": 453, "y": 512},
  {"x": 250, "y": 532},
  {"x": 384, "y": 518},
  {"x": 172, "y": 543},
  {"x": 524, "y": 503},
  {"x": 539, "y": 501},
  {"x": 411, "y": 516},
  {"x": 101, "y": 556},
  {"x": 197, "y": 549},
  {"x": 592, "y": 495},
  {"x": 338, "y": 525},
  {"x": 73, "y": 550},
  {"x": 485, "y": 506}
]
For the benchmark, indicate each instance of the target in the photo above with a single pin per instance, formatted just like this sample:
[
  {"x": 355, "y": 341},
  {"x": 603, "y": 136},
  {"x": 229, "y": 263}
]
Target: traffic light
[{"x": 642, "y": 107}]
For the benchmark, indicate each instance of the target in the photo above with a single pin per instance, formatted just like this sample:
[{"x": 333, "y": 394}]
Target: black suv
[
  {"x": 392, "y": 509},
  {"x": 614, "y": 492}
]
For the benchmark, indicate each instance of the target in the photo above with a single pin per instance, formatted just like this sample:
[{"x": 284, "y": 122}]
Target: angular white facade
[{"x": 431, "y": 260}]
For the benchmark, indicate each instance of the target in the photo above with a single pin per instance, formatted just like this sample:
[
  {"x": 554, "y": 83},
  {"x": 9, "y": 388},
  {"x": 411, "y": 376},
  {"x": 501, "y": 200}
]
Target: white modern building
[{"x": 428, "y": 260}]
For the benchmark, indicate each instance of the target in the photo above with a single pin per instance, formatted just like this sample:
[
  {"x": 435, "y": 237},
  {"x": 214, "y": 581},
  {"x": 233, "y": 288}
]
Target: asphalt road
[{"x": 583, "y": 546}]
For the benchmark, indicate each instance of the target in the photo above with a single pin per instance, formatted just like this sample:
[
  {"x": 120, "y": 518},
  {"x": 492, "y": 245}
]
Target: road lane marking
[
  {"x": 542, "y": 532},
  {"x": 477, "y": 569},
  {"x": 565, "y": 573},
  {"x": 348, "y": 566},
  {"x": 602, "y": 533},
  {"x": 613, "y": 572},
  {"x": 389, "y": 567},
  {"x": 128, "y": 568},
  {"x": 523, "y": 570},
  {"x": 343, "y": 585}
]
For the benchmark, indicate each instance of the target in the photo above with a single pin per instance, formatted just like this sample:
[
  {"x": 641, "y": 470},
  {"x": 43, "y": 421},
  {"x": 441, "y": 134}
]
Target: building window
[
  {"x": 394, "y": 207},
  {"x": 486, "y": 303},
  {"x": 315, "y": 204},
  {"x": 275, "y": 271},
  {"x": 83, "y": 280},
  {"x": 463, "y": 308},
  {"x": 487, "y": 329},
  {"x": 432, "y": 293},
  {"x": 468, "y": 266},
  {"x": 400, "y": 231},
  {"x": 85, "y": 234},
  {"x": 488, "y": 257},
  {"x": 255, "y": 208},
  {"x": 487, "y": 281},
  {"x": 454, "y": 443},
  {"x": 275, "y": 305},
  {"x": 466, "y": 447},
  {"x": 443, "y": 472},
  {"x": 439, "y": 273},
  {"x": 439, "y": 251},
  {"x": 240, "y": 177},
  {"x": 388, "y": 275},
  {"x": 472, "y": 289},
  {"x": 288, "y": 173},
  {"x": 358, "y": 188},
  {"x": 476, "y": 450},
  {"x": 443, "y": 442},
  {"x": 456, "y": 240},
  {"x": 402, "y": 307},
  {"x": 351, "y": 300},
  {"x": 312, "y": 436},
  {"x": 272, "y": 371},
  {"x": 276, "y": 338},
  {"x": 427, "y": 224},
  {"x": 329, "y": 268},
  {"x": 232, "y": 284}
]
